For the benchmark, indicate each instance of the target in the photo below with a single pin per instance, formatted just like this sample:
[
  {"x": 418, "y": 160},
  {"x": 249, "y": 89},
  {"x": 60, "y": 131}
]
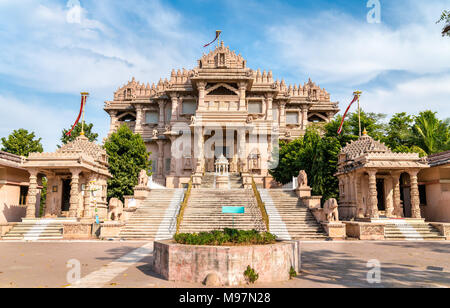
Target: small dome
[
  {"x": 82, "y": 145},
  {"x": 363, "y": 145}
]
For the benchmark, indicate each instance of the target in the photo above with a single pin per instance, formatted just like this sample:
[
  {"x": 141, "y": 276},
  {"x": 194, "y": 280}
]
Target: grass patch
[{"x": 227, "y": 237}]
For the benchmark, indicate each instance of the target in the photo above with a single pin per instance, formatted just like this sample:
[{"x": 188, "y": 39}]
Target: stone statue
[
  {"x": 155, "y": 133},
  {"x": 168, "y": 129},
  {"x": 143, "y": 178},
  {"x": 330, "y": 210},
  {"x": 193, "y": 120},
  {"x": 115, "y": 210},
  {"x": 302, "y": 179}
]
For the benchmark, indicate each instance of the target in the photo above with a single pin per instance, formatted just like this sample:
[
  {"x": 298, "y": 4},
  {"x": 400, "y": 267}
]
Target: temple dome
[
  {"x": 363, "y": 145},
  {"x": 82, "y": 145}
]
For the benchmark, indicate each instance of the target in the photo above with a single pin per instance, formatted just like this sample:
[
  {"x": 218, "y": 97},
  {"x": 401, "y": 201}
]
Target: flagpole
[
  {"x": 85, "y": 95},
  {"x": 358, "y": 93}
]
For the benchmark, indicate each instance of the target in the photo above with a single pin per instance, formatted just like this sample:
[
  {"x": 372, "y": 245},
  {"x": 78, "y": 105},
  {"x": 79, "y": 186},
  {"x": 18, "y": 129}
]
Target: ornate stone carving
[
  {"x": 331, "y": 210},
  {"x": 143, "y": 178},
  {"x": 302, "y": 179}
]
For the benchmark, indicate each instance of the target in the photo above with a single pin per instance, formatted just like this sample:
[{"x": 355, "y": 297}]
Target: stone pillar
[
  {"x": 398, "y": 210},
  {"x": 174, "y": 156},
  {"x": 32, "y": 194},
  {"x": 283, "y": 114},
  {"x": 161, "y": 114},
  {"x": 415, "y": 198},
  {"x": 269, "y": 102},
  {"x": 74, "y": 192},
  {"x": 304, "y": 118},
  {"x": 112, "y": 125},
  {"x": 87, "y": 213},
  {"x": 360, "y": 210},
  {"x": 139, "y": 113},
  {"x": 160, "y": 171},
  {"x": 352, "y": 196},
  {"x": 373, "y": 195},
  {"x": 242, "y": 89},
  {"x": 201, "y": 95},
  {"x": 199, "y": 154},
  {"x": 242, "y": 149},
  {"x": 174, "y": 98}
]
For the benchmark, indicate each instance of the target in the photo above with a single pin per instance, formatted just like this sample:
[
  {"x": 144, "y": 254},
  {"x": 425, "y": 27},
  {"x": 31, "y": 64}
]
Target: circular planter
[{"x": 189, "y": 263}]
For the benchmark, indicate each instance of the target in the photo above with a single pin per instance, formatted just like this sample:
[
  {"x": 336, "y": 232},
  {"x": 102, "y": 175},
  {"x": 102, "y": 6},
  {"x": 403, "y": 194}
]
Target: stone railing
[
  {"x": 261, "y": 205},
  {"x": 183, "y": 206}
]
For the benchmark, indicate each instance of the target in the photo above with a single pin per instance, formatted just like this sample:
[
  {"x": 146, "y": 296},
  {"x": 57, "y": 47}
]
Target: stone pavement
[{"x": 325, "y": 264}]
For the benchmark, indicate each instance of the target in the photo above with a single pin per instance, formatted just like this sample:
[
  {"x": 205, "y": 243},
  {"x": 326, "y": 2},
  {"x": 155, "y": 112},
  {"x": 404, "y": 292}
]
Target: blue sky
[{"x": 401, "y": 64}]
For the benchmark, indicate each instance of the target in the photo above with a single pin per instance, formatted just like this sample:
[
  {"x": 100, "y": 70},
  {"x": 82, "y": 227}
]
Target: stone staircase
[
  {"x": 410, "y": 229},
  {"x": 235, "y": 181},
  {"x": 155, "y": 219},
  {"x": 37, "y": 230},
  {"x": 204, "y": 211},
  {"x": 289, "y": 220}
]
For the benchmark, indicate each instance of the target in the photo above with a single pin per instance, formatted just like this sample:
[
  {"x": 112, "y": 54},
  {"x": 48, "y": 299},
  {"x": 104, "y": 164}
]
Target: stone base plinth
[
  {"x": 303, "y": 192},
  {"x": 6, "y": 227},
  {"x": 311, "y": 202},
  {"x": 365, "y": 230},
  {"x": 184, "y": 263},
  {"x": 77, "y": 230},
  {"x": 335, "y": 230},
  {"x": 222, "y": 182},
  {"x": 141, "y": 192},
  {"x": 110, "y": 229},
  {"x": 444, "y": 229}
]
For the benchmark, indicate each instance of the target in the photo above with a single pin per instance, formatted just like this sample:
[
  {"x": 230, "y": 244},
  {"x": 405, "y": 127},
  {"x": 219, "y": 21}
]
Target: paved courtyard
[{"x": 127, "y": 265}]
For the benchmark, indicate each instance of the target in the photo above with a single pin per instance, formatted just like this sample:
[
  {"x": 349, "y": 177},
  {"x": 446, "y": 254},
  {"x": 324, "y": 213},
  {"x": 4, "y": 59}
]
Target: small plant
[
  {"x": 226, "y": 237},
  {"x": 251, "y": 275},
  {"x": 292, "y": 273}
]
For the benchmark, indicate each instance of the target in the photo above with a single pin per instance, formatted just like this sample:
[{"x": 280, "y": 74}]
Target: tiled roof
[
  {"x": 439, "y": 159},
  {"x": 10, "y": 157},
  {"x": 363, "y": 145}
]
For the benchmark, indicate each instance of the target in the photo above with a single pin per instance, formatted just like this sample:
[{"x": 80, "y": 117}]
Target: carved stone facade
[
  {"x": 77, "y": 175},
  {"x": 222, "y": 93},
  {"x": 370, "y": 181}
]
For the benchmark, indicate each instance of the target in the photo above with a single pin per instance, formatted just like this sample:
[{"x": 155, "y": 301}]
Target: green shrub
[
  {"x": 227, "y": 236},
  {"x": 292, "y": 273},
  {"x": 251, "y": 275}
]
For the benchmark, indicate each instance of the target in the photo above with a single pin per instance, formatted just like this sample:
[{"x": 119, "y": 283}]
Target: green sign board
[{"x": 233, "y": 210}]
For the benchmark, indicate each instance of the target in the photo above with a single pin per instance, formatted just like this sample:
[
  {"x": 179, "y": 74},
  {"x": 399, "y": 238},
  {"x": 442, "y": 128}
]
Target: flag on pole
[
  {"x": 83, "y": 102},
  {"x": 345, "y": 114},
  {"x": 218, "y": 32}
]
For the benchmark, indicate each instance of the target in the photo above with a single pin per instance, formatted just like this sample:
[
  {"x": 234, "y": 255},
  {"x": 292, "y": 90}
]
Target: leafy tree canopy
[
  {"x": 445, "y": 18},
  {"x": 430, "y": 133},
  {"x": 77, "y": 132},
  {"x": 127, "y": 157},
  {"x": 21, "y": 142}
]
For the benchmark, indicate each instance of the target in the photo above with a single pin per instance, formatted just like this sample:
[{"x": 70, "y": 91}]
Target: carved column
[
  {"x": 175, "y": 156},
  {"x": 304, "y": 117},
  {"x": 373, "y": 195},
  {"x": 74, "y": 192},
  {"x": 199, "y": 154},
  {"x": 269, "y": 103},
  {"x": 174, "y": 98},
  {"x": 360, "y": 209},
  {"x": 32, "y": 194},
  {"x": 112, "y": 125},
  {"x": 242, "y": 149},
  {"x": 415, "y": 198},
  {"x": 161, "y": 114},
  {"x": 398, "y": 210},
  {"x": 139, "y": 112},
  {"x": 201, "y": 95},
  {"x": 283, "y": 114},
  {"x": 352, "y": 196},
  {"x": 160, "y": 171},
  {"x": 242, "y": 88},
  {"x": 88, "y": 211}
]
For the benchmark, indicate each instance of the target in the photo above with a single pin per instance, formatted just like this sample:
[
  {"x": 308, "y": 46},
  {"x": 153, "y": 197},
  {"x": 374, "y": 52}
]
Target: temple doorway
[
  {"x": 405, "y": 194},
  {"x": 381, "y": 195},
  {"x": 65, "y": 200}
]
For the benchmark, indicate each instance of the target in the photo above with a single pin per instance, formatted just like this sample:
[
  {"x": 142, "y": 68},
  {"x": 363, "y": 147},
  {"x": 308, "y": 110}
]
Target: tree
[
  {"x": 77, "y": 132},
  {"x": 445, "y": 18},
  {"x": 431, "y": 134},
  {"x": 22, "y": 143},
  {"x": 317, "y": 156},
  {"x": 399, "y": 131},
  {"x": 127, "y": 157}
]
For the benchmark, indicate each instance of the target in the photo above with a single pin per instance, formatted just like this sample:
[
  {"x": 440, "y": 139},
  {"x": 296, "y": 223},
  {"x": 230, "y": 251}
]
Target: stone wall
[{"x": 184, "y": 263}]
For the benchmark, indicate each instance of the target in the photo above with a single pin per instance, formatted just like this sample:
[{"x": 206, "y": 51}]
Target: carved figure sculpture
[
  {"x": 115, "y": 209},
  {"x": 331, "y": 210},
  {"x": 143, "y": 178},
  {"x": 302, "y": 179}
]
